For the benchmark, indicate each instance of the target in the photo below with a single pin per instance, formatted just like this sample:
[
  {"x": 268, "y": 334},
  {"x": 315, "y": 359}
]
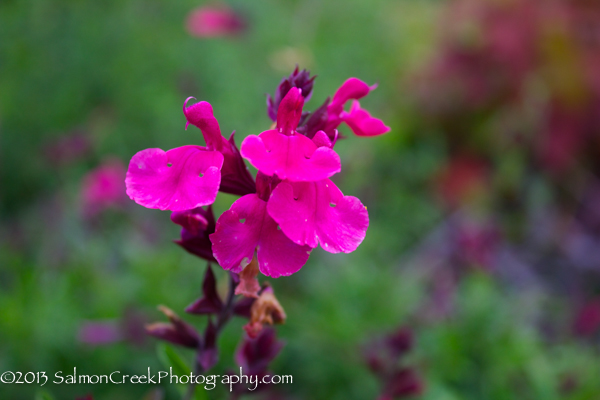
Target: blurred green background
[{"x": 113, "y": 76}]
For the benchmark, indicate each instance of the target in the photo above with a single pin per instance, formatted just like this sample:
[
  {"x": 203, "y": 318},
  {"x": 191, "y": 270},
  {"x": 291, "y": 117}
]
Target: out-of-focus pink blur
[{"x": 214, "y": 21}]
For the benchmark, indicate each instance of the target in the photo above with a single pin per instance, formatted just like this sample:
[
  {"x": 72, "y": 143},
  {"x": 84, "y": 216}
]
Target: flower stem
[{"x": 222, "y": 320}]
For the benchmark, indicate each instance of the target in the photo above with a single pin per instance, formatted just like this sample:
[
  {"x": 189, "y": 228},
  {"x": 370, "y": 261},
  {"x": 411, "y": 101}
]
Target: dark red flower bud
[
  {"x": 403, "y": 383},
  {"x": 299, "y": 79},
  {"x": 208, "y": 354},
  {"x": 400, "y": 342},
  {"x": 265, "y": 185},
  {"x": 255, "y": 355},
  {"x": 235, "y": 176},
  {"x": 177, "y": 331},
  {"x": 317, "y": 121},
  {"x": 210, "y": 302},
  {"x": 197, "y": 224},
  {"x": 243, "y": 306}
]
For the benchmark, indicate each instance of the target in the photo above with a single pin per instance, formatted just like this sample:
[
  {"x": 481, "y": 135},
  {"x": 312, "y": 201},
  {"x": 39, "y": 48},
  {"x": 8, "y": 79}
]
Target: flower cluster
[{"x": 289, "y": 209}]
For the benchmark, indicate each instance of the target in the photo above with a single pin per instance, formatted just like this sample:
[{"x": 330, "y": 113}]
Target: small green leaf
[{"x": 169, "y": 358}]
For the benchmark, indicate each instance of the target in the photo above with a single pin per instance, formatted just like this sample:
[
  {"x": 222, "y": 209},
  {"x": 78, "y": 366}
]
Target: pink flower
[
  {"x": 180, "y": 179},
  {"x": 247, "y": 227},
  {"x": 290, "y": 209},
  {"x": 361, "y": 122},
  {"x": 103, "y": 187},
  {"x": 331, "y": 114},
  {"x": 190, "y": 176},
  {"x": 353, "y": 88},
  {"x": 235, "y": 177},
  {"x": 214, "y": 22},
  {"x": 310, "y": 213},
  {"x": 287, "y": 154}
]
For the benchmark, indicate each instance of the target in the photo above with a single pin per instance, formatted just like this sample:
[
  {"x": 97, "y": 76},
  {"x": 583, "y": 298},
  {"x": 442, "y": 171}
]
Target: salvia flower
[
  {"x": 102, "y": 188},
  {"x": 235, "y": 177},
  {"x": 247, "y": 228},
  {"x": 207, "y": 22},
  {"x": 359, "y": 120},
  {"x": 285, "y": 153},
  {"x": 290, "y": 209}
]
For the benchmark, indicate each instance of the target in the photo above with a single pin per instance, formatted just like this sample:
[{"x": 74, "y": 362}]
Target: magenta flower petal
[
  {"x": 201, "y": 115},
  {"x": 295, "y": 158},
  {"x": 290, "y": 111},
  {"x": 318, "y": 212},
  {"x": 361, "y": 122},
  {"x": 235, "y": 177},
  {"x": 322, "y": 140},
  {"x": 180, "y": 179},
  {"x": 353, "y": 88},
  {"x": 247, "y": 226}
]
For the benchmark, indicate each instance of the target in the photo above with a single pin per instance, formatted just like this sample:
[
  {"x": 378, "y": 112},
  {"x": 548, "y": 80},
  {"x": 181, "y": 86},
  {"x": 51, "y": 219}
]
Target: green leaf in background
[
  {"x": 169, "y": 358},
  {"x": 43, "y": 395}
]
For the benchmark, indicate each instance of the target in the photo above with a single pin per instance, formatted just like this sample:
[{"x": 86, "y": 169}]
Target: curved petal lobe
[
  {"x": 179, "y": 179},
  {"x": 353, "y": 88},
  {"x": 295, "y": 158},
  {"x": 201, "y": 115},
  {"x": 361, "y": 122},
  {"x": 313, "y": 212},
  {"x": 247, "y": 226}
]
